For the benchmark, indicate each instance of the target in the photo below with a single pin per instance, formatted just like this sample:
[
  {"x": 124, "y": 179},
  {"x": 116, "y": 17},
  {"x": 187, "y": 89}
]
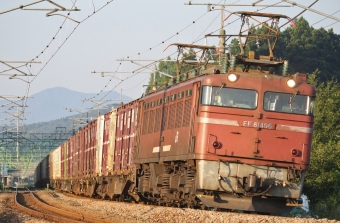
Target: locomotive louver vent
[
  {"x": 186, "y": 118},
  {"x": 172, "y": 116},
  {"x": 165, "y": 115},
  {"x": 158, "y": 119},
  {"x": 145, "y": 122},
  {"x": 151, "y": 121},
  {"x": 179, "y": 114}
]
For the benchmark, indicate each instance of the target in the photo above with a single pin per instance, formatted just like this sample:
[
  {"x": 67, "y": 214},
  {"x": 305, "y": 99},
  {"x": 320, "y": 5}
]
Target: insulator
[
  {"x": 233, "y": 63},
  {"x": 224, "y": 63},
  {"x": 285, "y": 67}
]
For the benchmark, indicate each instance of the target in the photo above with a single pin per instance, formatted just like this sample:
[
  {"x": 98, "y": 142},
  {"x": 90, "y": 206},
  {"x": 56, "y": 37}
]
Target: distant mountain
[
  {"x": 50, "y": 104},
  {"x": 68, "y": 125}
]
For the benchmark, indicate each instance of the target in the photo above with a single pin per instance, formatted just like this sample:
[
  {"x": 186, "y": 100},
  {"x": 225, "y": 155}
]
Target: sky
[{"x": 121, "y": 29}]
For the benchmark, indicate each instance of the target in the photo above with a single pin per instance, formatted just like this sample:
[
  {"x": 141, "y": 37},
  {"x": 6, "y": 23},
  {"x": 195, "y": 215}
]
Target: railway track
[
  {"x": 124, "y": 212},
  {"x": 30, "y": 204}
]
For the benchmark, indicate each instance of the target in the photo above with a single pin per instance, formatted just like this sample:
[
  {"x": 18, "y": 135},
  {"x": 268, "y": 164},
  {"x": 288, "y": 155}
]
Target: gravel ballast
[{"x": 122, "y": 212}]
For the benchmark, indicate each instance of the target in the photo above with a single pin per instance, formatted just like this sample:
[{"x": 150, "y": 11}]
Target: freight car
[{"x": 228, "y": 136}]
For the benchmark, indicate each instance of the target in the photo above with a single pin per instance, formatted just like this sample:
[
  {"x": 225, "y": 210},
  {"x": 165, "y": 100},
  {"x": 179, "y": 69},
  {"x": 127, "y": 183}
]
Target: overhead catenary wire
[
  {"x": 303, "y": 11},
  {"x": 330, "y": 24},
  {"x": 197, "y": 40},
  {"x": 53, "y": 39},
  {"x": 142, "y": 51},
  {"x": 150, "y": 48},
  {"x": 63, "y": 42},
  {"x": 126, "y": 79},
  {"x": 29, "y": 83},
  {"x": 159, "y": 44},
  {"x": 325, "y": 19}
]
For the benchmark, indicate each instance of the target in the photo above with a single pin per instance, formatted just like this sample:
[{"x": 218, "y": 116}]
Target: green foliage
[
  {"x": 323, "y": 177},
  {"x": 234, "y": 47},
  {"x": 327, "y": 120},
  {"x": 308, "y": 49},
  {"x": 161, "y": 79}
]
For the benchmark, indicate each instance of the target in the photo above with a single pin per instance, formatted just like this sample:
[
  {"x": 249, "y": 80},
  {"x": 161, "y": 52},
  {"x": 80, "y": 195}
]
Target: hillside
[
  {"x": 51, "y": 104},
  {"x": 68, "y": 123}
]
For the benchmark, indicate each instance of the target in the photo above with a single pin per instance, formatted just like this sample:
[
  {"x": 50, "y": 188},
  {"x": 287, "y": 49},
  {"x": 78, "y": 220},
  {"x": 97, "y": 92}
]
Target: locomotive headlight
[
  {"x": 232, "y": 77},
  {"x": 291, "y": 83}
]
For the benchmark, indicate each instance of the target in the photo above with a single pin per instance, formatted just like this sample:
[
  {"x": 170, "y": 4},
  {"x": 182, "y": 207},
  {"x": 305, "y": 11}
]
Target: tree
[
  {"x": 308, "y": 49},
  {"x": 323, "y": 177},
  {"x": 167, "y": 67}
]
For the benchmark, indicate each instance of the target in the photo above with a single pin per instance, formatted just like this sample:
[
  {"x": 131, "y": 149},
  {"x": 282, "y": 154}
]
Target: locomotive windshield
[
  {"x": 289, "y": 103},
  {"x": 229, "y": 97}
]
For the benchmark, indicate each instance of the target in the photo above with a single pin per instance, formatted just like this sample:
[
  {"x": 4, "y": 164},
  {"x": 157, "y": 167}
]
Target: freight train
[{"x": 229, "y": 136}]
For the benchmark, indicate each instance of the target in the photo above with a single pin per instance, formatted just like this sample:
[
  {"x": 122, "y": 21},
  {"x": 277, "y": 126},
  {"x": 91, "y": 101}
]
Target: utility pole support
[{"x": 52, "y": 10}]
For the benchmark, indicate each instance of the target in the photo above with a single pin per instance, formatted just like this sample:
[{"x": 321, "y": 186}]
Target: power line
[
  {"x": 303, "y": 11},
  {"x": 54, "y": 37},
  {"x": 325, "y": 19},
  {"x": 150, "y": 48},
  {"x": 177, "y": 33},
  {"x": 138, "y": 54}
]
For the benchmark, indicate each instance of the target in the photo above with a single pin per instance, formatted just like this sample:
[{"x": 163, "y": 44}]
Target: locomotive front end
[{"x": 254, "y": 140}]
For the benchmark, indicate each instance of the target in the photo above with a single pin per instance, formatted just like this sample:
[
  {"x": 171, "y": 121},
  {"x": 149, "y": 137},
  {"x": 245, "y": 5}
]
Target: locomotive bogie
[{"x": 169, "y": 183}]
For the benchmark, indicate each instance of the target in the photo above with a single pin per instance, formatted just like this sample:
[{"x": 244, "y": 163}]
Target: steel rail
[
  {"x": 66, "y": 216},
  {"x": 40, "y": 214}
]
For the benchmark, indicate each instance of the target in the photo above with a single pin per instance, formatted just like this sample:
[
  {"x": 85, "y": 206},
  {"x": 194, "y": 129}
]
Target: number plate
[{"x": 258, "y": 125}]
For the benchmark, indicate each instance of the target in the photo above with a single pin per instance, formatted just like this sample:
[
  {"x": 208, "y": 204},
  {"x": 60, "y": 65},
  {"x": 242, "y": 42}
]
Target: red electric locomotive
[{"x": 233, "y": 136}]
